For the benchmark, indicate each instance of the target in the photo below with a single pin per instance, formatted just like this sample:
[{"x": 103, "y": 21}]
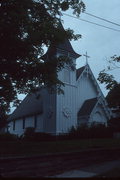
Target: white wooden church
[{"x": 81, "y": 103}]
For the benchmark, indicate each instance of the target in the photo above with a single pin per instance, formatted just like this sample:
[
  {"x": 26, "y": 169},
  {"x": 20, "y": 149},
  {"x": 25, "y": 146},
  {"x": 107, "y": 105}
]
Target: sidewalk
[{"x": 90, "y": 171}]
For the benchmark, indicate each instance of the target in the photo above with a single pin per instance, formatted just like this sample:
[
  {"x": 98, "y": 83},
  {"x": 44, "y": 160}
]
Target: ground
[
  {"x": 92, "y": 161},
  {"x": 31, "y": 148}
]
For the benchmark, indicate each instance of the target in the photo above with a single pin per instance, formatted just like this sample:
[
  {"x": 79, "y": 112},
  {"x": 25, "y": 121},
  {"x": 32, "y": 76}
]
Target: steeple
[{"x": 64, "y": 48}]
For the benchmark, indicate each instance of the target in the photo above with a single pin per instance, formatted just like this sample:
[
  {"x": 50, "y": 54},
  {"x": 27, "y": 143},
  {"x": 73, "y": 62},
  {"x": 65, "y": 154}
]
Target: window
[
  {"x": 23, "y": 123},
  {"x": 67, "y": 75},
  {"x": 35, "y": 121},
  {"x": 13, "y": 125}
]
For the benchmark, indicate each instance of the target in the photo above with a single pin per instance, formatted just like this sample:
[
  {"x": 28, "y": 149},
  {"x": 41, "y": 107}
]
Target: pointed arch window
[
  {"x": 13, "y": 125},
  {"x": 35, "y": 121},
  {"x": 67, "y": 75},
  {"x": 23, "y": 123}
]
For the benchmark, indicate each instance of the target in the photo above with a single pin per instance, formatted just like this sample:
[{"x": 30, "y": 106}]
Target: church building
[{"x": 82, "y": 102}]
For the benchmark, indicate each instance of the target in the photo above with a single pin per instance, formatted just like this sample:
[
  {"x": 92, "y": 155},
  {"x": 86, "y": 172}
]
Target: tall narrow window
[
  {"x": 67, "y": 75},
  {"x": 23, "y": 123},
  {"x": 35, "y": 121},
  {"x": 14, "y": 125}
]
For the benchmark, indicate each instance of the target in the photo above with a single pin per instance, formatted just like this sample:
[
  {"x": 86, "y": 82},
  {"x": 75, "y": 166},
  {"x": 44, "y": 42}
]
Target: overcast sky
[{"x": 100, "y": 43}]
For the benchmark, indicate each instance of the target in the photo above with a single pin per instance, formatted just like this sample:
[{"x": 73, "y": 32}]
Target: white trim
[
  {"x": 100, "y": 94},
  {"x": 70, "y": 85}
]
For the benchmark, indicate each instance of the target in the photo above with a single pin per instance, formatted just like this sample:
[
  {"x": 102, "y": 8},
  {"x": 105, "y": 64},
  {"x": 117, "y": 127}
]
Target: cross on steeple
[{"x": 86, "y": 57}]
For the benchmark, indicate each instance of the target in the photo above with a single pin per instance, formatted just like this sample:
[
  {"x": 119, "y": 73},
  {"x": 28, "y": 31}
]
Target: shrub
[
  {"x": 99, "y": 131},
  {"x": 8, "y": 137},
  {"x": 31, "y": 135},
  {"x": 114, "y": 124},
  {"x": 40, "y": 136},
  {"x": 93, "y": 131}
]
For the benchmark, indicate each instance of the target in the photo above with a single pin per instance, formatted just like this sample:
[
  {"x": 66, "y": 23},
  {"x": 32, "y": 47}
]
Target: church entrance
[{"x": 97, "y": 117}]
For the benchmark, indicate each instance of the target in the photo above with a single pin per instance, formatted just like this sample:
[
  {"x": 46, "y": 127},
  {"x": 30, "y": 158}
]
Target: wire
[
  {"x": 102, "y": 19},
  {"x": 91, "y": 22}
]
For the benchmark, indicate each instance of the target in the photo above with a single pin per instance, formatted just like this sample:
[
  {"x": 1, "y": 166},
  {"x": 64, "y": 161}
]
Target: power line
[
  {"x": 102, "y": 19},
  {"x": 91, "y": 22}
]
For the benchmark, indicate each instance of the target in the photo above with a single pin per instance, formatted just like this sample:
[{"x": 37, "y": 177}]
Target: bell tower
[
  {"x": 64, "y": 104},
  {"x": 68, "y": 73}
]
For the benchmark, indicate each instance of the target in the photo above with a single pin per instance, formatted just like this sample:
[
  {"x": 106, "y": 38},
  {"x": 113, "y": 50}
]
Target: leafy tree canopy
[
  {"x": 26, "y": 26},
  {"x": 105, "y": 77},
  {"x": 113, "y": 96}
]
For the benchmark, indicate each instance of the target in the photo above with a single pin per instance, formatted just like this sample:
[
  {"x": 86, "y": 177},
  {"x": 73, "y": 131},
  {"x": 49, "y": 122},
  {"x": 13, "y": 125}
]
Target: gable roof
[
  {"x": 79, "y": 72},
  {"x": 31, "y": 105},
  {"x": 87, "y": 107}
]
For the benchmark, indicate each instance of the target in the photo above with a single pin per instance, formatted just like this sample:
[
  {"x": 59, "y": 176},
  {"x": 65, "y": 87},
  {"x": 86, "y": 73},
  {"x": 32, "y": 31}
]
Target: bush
[
  {"x": 114, "y": 124},
  {"x": 8, "y": 137},
  {"x": 40, "y": 136},
  {"x": 93, "y": 131},
  {"x": 80, "y": 132},
  {"x": 100, "y": 131},
  {"x": 31, "y": 135}
]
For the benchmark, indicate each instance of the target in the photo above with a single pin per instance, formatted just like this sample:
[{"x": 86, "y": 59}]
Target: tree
[
  {"x": 113, "y": 96},
  {"x": 108, "y": 79},
  {"x": 26, "y": 27}
]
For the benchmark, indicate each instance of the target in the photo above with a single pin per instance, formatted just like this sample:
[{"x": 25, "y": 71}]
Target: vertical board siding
[
  {"x": 29, "y": 121},
  {"x": 66, "y": 101},
  {"x": 49, "y": 108},
  {"x": 18, "y": 127},
  {"x": 39, "y": 123}
]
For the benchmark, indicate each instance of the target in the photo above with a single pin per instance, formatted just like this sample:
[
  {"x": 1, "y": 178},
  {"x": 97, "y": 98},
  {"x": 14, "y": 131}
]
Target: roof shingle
[
  {"x": 79, "y": 71},
  {"x": 31, "y": 105},
  {"x": 87, "y": 107}
]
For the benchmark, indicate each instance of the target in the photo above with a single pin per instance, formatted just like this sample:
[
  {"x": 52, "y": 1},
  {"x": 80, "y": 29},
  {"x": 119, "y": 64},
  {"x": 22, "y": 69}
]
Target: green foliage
[
  {"x": 3, "y": 119},
  {"x": 8, "y": 137},
  {"x": 100, "y": 131},
  {"x": 72, "y": 130},
  {"x": 115, "y": 58},
  {"x": 113, "y": 97},
  {"x": 26, "y": 27},
  {"x": 31, "y": 135},
  {"x": 110, "y": 82},
  {"x": 93, "y": 131},
  {"x": 107, "y": 79},
  {"x": 114, "y": 124}
]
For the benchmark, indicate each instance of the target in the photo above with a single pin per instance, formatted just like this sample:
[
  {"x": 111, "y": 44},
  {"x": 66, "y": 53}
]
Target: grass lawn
[{"x": 20, "y": 148}]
